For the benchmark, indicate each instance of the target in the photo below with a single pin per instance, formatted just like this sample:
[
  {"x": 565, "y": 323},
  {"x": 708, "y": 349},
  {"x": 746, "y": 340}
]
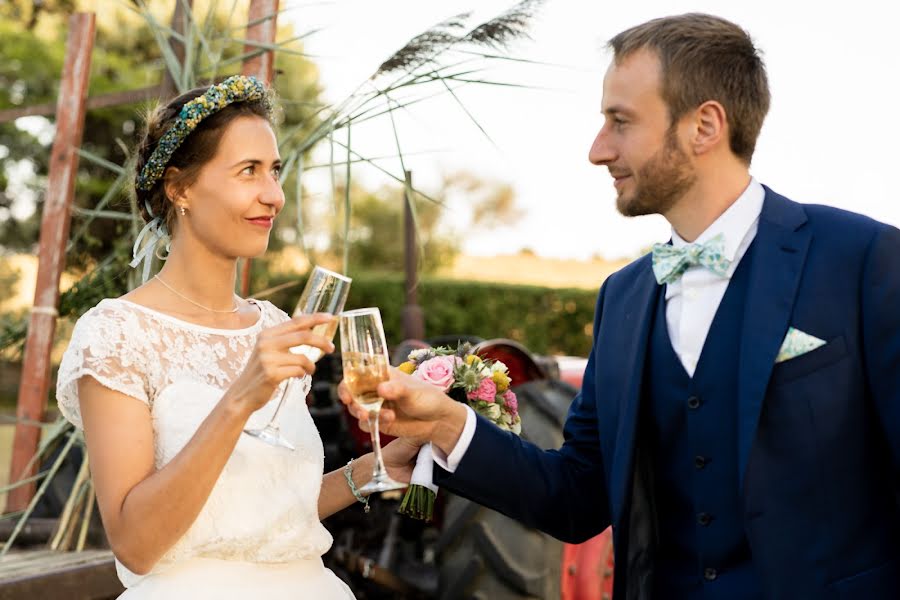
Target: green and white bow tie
[{"x": 670, "y": 263}]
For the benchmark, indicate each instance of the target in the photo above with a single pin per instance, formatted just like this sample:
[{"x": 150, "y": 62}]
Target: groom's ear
[{"x": 710, "y": 128}]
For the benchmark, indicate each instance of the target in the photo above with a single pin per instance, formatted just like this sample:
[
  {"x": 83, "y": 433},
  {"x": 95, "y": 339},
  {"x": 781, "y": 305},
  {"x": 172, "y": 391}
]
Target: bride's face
[{"x": 232, "y": 205}]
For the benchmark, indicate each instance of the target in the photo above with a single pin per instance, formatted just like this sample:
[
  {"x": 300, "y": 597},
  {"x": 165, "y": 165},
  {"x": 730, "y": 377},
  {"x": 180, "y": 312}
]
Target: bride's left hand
[{"x": 400, "y": 458}]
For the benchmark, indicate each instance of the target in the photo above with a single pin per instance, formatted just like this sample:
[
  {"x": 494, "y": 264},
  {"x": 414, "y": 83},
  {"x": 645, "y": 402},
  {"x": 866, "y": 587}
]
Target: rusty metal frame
[
  {"x": 55, "y": 220},
  {"x": 412, "y": 316},
  {"x": 263, "y": 26}
]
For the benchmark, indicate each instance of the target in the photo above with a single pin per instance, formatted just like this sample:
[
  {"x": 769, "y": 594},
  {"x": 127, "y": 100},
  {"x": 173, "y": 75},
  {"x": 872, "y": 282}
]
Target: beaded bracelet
[{"x": 348, "y": 474}]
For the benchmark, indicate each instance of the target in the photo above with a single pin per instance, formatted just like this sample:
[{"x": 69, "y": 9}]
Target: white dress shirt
[{"x": 691, "y": 302}]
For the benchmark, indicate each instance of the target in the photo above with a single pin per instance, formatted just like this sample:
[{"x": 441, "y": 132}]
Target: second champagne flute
[
  {"x": 325, "y": 292},
  {"x": 364, "y": 355}
]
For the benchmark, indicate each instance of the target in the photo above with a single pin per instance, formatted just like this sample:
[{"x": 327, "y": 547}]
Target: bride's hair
[{"x": 196, "y": 150}]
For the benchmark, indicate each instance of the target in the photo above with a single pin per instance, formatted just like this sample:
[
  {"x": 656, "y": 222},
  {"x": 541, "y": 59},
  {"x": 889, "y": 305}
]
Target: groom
[{"x": 739, "y": 420}]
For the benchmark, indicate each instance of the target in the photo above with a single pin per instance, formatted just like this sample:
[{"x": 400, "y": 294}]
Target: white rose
[
  {"x": 415, "y": 355},
  {"x": 499, "y": 366},
  {"x": 493, "y": 412}
]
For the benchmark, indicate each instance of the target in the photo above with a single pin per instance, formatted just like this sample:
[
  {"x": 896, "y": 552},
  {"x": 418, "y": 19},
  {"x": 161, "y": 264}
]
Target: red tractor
[{"x": 469, "y": 551}]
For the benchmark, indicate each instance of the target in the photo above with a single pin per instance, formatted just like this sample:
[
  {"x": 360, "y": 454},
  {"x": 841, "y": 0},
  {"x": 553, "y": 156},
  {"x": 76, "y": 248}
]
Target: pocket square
[{"x": 797, "y": 343}]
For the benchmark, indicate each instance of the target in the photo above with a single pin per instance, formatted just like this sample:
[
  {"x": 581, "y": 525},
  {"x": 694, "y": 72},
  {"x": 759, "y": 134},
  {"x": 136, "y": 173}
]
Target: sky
[{"x": 830, "y": 137}]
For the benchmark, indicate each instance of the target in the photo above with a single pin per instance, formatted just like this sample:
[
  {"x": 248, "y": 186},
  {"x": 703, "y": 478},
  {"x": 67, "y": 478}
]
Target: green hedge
[{"x": 545, "y": 320}]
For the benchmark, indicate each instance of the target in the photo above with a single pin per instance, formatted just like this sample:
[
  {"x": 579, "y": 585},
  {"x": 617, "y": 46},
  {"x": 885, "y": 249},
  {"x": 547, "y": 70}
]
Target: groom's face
[{"x": 638, "y": 142}]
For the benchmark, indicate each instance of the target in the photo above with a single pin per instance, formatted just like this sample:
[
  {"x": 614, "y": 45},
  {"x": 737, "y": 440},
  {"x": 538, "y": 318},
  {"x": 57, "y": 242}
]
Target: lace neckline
[{"x": 190, "y": 325}]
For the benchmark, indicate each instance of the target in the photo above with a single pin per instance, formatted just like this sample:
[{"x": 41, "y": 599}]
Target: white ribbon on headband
[{"x": 154, "y": 231}]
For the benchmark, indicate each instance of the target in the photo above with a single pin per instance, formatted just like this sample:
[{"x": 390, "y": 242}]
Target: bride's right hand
[{"x": 271, "y": 360}]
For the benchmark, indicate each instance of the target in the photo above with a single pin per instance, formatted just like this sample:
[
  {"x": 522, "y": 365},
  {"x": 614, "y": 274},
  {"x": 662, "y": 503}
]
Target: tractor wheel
[{"x": 483, "y": 554}]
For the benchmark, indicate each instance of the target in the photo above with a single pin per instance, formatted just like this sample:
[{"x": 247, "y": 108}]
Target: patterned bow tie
[{"x": 670, "y": 263}]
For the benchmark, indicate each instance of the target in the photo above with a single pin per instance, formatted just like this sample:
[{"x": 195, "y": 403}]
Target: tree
[
  {"x": 376, "y": 227},
  {"x": 377, "y": 232}
]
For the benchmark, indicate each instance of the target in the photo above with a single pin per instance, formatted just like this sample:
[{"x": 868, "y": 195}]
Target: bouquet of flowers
[{"x": 483, "y": 384}]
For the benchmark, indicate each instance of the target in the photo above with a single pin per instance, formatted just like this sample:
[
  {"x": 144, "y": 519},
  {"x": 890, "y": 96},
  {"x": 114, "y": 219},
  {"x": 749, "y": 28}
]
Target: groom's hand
[{"x": 413, "y": 409}]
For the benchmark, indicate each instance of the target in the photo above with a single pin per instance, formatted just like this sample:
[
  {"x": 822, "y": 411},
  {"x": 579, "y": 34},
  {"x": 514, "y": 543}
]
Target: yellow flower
[
  {"x": 472, "y": 359},
  {"x": 408, "y": 367},
  {"x": 502, "y": 381}
]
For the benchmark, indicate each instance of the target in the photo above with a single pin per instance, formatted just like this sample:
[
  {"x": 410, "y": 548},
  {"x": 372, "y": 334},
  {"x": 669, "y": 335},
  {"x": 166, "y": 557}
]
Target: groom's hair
[{"x": 704, "y": 57}]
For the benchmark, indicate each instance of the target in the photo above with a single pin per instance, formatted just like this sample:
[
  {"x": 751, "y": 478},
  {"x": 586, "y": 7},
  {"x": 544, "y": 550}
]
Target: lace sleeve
[{"x": 101, "y": 347}]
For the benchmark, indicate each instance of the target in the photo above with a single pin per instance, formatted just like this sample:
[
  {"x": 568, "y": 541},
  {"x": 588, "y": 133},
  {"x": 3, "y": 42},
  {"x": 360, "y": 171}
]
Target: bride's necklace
[{"x": 233, "y": 310}]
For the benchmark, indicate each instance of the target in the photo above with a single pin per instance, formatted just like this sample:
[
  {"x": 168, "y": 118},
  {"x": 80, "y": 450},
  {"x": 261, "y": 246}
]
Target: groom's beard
[{"x": 660, "y": 182}]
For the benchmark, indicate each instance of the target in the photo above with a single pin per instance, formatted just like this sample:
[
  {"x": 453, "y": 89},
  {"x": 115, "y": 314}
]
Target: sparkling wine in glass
[
  {"x": 363, "y": 372},
  {"x": 325, "y": 292},
  {"x": 364, "y": 354}
]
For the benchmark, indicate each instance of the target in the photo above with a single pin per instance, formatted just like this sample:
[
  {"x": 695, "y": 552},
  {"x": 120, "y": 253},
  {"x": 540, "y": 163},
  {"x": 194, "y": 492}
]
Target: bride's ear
[{"x": 174, "y": 190}]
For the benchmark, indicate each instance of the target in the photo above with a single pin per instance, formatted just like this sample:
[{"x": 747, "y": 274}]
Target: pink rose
[
  {"x": 511, "y": 402},
  {"x": 486, "y": 392},
  {"x": 437, "y": 371}
]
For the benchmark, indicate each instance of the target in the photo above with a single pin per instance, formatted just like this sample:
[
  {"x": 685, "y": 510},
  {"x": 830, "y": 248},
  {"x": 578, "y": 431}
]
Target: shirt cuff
[{"x": 451, "y": 462}]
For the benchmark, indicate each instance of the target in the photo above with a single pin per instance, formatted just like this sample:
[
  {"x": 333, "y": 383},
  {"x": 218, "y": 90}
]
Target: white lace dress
[{"x": 258, "y": 535}]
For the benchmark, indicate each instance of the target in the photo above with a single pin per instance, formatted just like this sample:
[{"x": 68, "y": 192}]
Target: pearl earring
[{"x": 181, "y": 208}]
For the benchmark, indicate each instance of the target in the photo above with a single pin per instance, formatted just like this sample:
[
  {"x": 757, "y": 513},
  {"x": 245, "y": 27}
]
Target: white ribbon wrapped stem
[{"x": 423, "y": 472}]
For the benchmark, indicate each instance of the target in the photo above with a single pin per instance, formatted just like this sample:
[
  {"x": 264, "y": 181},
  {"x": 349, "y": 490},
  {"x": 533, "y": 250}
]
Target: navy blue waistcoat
[{"x": 703, "y": 551}]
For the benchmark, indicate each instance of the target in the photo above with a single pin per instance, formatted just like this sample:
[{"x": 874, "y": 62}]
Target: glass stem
[
  {"x": 272, "y": 424},
  {"x": 379, "y": 473}
]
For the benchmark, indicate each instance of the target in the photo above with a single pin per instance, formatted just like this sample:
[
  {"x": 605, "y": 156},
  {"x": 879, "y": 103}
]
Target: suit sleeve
[
  {"x": 561, "y": 492},
  {"x": 881, "y": 333}
]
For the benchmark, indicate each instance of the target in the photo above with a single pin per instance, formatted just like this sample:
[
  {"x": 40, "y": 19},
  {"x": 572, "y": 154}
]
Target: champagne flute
[
  {"x": 325, "y": 292},
  {"x": 364, "y": 354}
]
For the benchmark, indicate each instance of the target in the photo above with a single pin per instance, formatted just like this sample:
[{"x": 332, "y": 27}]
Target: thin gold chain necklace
[{"x": 173, "y": 290}]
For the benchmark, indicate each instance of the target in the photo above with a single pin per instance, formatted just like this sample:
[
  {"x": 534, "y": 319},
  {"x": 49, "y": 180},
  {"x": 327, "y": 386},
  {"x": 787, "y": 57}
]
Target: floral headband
[{"x": 238, "y": 88}]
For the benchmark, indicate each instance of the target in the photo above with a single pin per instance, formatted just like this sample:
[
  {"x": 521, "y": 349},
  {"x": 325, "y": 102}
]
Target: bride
[{"x": 164, "y": 379}]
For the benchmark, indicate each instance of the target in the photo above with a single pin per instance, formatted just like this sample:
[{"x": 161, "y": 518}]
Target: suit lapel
[
  {"x": 780, "y": 251},
  {"x": 640, "y": 303}
]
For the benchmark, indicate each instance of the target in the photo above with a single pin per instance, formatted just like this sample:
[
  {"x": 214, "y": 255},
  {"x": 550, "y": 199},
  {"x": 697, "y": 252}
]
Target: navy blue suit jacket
[{"x": 818, "y": 435}]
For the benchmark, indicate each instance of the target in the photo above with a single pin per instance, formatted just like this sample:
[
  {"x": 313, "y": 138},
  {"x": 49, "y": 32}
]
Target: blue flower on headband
[{"x": 238, "y": 88}]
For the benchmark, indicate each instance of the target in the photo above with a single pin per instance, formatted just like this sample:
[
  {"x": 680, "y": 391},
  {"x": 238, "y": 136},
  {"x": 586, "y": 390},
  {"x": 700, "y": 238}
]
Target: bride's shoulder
[
  {"x": 114, "y": 309},
  {"x": 138, "y": 304},
  {"x": 107, "y": 308},
  {"x": 108, "y": 323},
  {"x": 115, "y": 317},
  {"x": 110, "y": 328}
]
